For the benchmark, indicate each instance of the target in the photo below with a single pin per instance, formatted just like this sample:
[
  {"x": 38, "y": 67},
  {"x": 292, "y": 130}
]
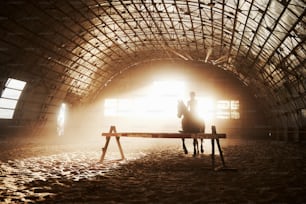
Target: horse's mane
[{"x": 181, "y": 109}]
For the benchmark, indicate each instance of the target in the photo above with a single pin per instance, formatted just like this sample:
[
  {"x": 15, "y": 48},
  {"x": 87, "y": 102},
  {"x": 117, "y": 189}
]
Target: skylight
[{"x": 9, "y": 97}]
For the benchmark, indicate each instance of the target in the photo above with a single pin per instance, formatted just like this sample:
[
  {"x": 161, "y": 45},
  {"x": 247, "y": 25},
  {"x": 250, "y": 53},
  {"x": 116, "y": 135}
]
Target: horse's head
[{"x": 181, "y": 108}]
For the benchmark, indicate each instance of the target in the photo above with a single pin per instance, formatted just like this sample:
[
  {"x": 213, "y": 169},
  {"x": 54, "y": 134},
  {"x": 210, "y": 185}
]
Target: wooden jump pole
[
  {"x": 214, "y": 132},
  {"x": 104, "y": 149},
  {"x": 212, "y": 136}
]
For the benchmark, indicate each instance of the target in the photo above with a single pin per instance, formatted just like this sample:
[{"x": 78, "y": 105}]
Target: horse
[{"x": 190, "y": 124}]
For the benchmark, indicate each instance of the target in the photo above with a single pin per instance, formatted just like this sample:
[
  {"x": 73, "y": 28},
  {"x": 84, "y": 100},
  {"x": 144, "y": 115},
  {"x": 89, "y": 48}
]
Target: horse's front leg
[
  {"x": 184, "y": 146},
  {"x": 202, "y": 149},
  {"x": 195, "y": 146}
]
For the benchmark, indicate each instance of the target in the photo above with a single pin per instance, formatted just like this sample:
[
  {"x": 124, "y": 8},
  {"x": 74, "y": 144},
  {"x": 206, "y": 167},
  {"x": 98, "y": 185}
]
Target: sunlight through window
[
  {"x": 61, "y": 120},
  {"x": 161, "y": 101},
  {"x": 9, "y": 97}
]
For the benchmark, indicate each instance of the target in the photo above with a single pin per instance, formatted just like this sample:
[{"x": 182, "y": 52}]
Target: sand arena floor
[{"x": 267, "y": 172}]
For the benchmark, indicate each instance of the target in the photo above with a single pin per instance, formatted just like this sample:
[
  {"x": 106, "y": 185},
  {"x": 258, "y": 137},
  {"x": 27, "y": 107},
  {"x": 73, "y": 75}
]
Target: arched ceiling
[{"x": 70, "y": 49}]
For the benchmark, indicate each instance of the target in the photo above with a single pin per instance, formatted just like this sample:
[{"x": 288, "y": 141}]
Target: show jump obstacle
[{"x": 214, "y": 136}]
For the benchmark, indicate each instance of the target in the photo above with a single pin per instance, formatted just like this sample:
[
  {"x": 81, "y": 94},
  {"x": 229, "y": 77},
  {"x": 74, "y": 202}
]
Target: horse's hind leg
[
  {"x": 184, "y": 146},
  {"x": 202, "y": 149}
]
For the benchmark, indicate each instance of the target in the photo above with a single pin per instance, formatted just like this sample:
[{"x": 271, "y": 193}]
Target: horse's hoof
[
  {"x": 186, "y": 152},
  {"x": 202, "y": 151}
]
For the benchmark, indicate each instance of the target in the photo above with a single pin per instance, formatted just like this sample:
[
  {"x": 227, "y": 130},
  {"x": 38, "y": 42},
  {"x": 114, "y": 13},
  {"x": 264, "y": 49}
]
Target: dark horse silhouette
[{"x": 190, "y": 124}]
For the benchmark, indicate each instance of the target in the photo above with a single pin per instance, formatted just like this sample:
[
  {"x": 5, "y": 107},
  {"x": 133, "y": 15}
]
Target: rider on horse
[
  {"x": 192, "y": 106},
  {"x": 191, "y": 121}
]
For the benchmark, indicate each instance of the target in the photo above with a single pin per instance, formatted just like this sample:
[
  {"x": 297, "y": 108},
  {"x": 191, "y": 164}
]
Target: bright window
[
  {"x": 161, "y": 100},
  {"x": 9, "y": 97},
  {"x": 7, "y": 103},
  {"x": 61, "y": 120},
  {"x": 208, "y": 108},
  {"x": 228, "y": 109}
]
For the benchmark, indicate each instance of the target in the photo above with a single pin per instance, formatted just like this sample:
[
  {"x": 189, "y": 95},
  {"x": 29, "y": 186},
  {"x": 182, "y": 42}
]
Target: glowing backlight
[
  {"x": 168, "y": 88},
  {"x": 206, "y": 108},
  {"x": 161, "y": 99}
]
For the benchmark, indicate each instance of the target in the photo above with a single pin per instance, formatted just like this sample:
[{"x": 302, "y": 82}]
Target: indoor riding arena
[{"x": 153, "y": 101}]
